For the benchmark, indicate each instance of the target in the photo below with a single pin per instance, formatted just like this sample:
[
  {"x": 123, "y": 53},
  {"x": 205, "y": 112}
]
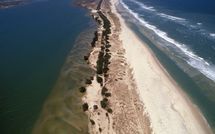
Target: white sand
[
  {"x": 93, "y": 97},
  {"x": 170, "y": 111}
]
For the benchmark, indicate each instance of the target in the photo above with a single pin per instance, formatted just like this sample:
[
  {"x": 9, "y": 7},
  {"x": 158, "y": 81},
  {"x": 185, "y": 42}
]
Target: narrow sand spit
[
  {"x": 140, "y": 97},
  {"x": 169, "y": 109},
  {"x": 127, "y": 115}
]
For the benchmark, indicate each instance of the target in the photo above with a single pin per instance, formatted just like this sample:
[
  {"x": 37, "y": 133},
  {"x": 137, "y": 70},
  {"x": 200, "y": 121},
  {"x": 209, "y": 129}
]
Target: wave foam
[
  {"x": 192, "y": 59},
  {"x": 212, "y": 34},
  {"x": 196, "y": 27},
  {"x": 171, "y": 17},
  {"x": 150, "y": 8}
]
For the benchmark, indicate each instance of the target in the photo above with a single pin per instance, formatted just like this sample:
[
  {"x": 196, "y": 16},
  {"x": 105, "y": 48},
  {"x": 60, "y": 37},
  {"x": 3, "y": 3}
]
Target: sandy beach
[{"x": 143, "y": 98}]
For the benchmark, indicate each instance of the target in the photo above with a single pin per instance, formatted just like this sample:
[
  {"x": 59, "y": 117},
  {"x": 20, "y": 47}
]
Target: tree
[
  {"x": 85, "y": 107},
  {"x": 104, "y": 90},
  {"x": 86, "y": 57},
  {"x": 99, "y": 79},
  {"x": 82, "y": 89},
  {"x": 92, "y": 122},
  {"x": 110, "y": 110},
  {"x": 88, "y": 81},
  {"x": 107, "y": 94},
  {"x": 95, "y": 107},
  {"x": 104, "y": 103}
]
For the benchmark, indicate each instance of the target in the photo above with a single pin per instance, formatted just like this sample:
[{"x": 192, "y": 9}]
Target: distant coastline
[{"x": 11, "y": 3}]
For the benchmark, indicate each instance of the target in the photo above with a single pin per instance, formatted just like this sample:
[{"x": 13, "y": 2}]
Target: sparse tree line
[{"x": 102, "y": 65}]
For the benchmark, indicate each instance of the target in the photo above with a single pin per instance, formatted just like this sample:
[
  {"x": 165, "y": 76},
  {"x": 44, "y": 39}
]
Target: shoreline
[
  {"x": 62, "y": 110},
  {"x": 143, "y": 97},
  {"x": 197, "y": 114}
]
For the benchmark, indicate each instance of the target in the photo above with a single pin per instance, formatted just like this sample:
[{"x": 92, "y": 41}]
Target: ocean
[
  {"x": 35, "y": 39},
  {"x": 182, "y": 35}
]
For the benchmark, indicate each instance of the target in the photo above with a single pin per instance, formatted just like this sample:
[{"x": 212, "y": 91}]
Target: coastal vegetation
[
  {"x": 99, "y": 80},
  {"x": 95, "y": 107},
  {"x": 94, "y": 39},
  {"x": 88, "y": 81},
  {"x": 104, "y": 90},
  {"x": 101, "y": 49},
  {"x": 85, "y": 107},
  {"x": 92, "y": 122},
  {"x": 82, "y": 89},
  {"x": 65, "y": 102}
]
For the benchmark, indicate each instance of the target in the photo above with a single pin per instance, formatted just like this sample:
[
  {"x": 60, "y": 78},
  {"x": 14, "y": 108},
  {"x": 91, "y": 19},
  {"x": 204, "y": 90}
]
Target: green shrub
[
  {"x": 92, "y": 122},
  {"x": 95, "y": 107},
  {"x": 82, "y": 89},
  {"x": 105, "y": 99},
  {"x": 102, "y": 48},
  {"x": 107, "y": 94},
  {"x": 88, "y": 81},
  {"x": 100, "y": 63},
  {"x": 105, "y": 70},
  {"x": 104, "y": 103},
  {"x": 99, "y": 79},
  {"x": 107, "y": 50},
  {"x": 94, "y": 39},
  {"x": 85, "y": 107},
  {"x": 109, "y": 110},
  {"x": 104, "y": 90},
  {"x": 108, "y": 46},
  {"x": 100, "y": 130},
  {"x": 86, "y": 57}
]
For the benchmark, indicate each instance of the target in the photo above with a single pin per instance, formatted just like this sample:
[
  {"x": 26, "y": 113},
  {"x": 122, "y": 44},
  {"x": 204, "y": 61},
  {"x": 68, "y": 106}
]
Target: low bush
[
  {"x": 99, "y": 79},
  {"x": 107, "y": 94},
  {"x": 105, "y": 99},
  {"x": 102, "y": 48},
  {"x": 105, "y": 70},
  {"x": 82, "y": 89},
  {"x": 88, "y": 81},
  {"x": 104, "y": 103},
  {"x": 95, "y": 107},
  {"x": 100, "y": 63},
  {"x": 104, "y": 90},
  {"x": 92, "y": 122},
  {"x": 86, "y": 57},
  {"x": 109, "y": 110},
  {"x": 107, "y": 50},
  {"x": 100, "y": 130},
  {"x": 108, "y": 46},
  {"x": 85, "y": 107}
]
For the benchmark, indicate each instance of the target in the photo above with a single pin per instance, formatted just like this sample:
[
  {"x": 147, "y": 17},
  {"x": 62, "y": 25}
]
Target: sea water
[{"x": 181, "y": 33}]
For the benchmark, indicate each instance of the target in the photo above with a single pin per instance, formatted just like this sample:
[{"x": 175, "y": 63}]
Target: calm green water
[{"x": 35, "y": 39}]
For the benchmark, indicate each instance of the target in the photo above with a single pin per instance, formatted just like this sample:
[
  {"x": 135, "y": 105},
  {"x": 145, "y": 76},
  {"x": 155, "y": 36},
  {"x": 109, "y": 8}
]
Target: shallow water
[
  {"x": 62, "y": 112},
  {"x": 35, "y": 39}
]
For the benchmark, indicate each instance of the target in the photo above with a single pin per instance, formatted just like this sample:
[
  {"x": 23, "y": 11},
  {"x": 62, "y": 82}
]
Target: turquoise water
[{"x": 34, "y": 41}]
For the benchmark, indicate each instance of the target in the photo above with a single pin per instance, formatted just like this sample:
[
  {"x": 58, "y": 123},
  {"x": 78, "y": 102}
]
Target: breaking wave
[
  {"x": 196, "y": 27},
  {"x": 189, "y": 56}
]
